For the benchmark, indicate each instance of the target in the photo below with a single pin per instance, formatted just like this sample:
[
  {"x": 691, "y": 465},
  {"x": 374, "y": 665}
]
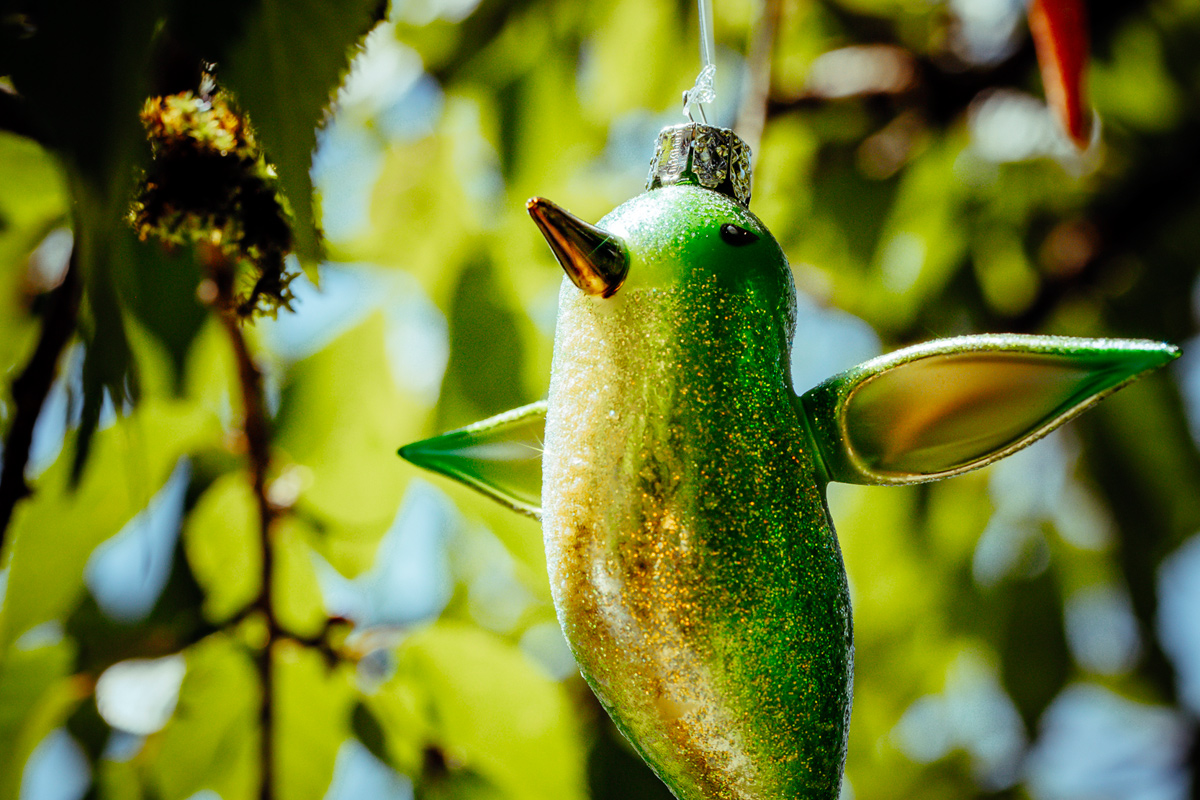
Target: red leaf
[{"x": 1059, "y": 29}]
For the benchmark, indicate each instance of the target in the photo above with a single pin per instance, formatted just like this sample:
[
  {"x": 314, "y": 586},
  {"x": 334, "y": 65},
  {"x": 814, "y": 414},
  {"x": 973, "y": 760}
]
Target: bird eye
[{"x": 736, "y": 235}]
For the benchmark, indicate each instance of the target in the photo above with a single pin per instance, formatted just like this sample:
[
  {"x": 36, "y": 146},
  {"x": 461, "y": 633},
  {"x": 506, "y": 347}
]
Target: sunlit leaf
[
  {"x": 441, "y": 229},
  {"x": 488, "y": 709},
  {"x": 342, "y": 418},
  {"x": 1133, "y": 85},
  {"x": 211, "y": 741},
  {"x": 32, "y": 201},
  {"x": 36, "y": 695},
  {"x": 923, "y": 239},
  {"x": 55, "y": 531},
  {"x": 296, "y": 596},
  {"x": 221, "y": 539},
  {"x": 313, "y": 719},
  {"x": 32, "y": 198},
  {"x": 119, "y": 780}
]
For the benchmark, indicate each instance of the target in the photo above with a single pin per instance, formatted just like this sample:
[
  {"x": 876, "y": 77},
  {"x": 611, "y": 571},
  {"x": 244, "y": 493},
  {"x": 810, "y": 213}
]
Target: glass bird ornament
[{"x": 680, "y": 480}]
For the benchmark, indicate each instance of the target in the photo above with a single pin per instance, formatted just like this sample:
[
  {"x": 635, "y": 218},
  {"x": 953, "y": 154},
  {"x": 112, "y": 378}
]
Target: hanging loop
[{"x": 701, "y": 92}]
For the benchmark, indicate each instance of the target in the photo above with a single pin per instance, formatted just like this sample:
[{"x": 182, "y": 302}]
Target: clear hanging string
[{"x": 703, "y": 91}]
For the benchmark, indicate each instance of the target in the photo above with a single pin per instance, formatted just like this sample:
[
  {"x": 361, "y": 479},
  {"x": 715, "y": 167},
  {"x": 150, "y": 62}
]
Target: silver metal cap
[{"x": 702, "y": 155}]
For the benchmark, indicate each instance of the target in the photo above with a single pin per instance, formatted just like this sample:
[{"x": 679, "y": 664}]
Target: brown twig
[
  {"x": 29, "y": 390},
  {"x": 752, "y": 116},
  {"x": 258, "y": 445}
]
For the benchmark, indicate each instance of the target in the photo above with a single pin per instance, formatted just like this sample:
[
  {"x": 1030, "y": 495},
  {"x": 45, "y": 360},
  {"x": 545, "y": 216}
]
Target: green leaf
[
  {"x": 438, "y": 783},
  {"x": 488, "y": 709},
  {"x": 107, "y": 365},
  {"x": 98, "y": 51},
  {"x": 221, "y": 540},
  {"x": 312, "y": 719},
  {"x": 36, "y": 694},
  {"x": 33, "y": 200},
  {"x": 161, "y": 293},
  {"x": 340, "y": 419},
  {"x": 119, "y": 780},
  {"x": 211, "y": 741},
  {"x": 295, "y": 594},
  {"x": 366, "y": 729},
  {"x": 284, "y": 71},
  {"x": 54, "y": 532},
  {"x": 443, "y": 226},
  {"x": 398, "y": 707},
  {"x": 923, "y": 238},
  {"x": 483, "y": 373}
]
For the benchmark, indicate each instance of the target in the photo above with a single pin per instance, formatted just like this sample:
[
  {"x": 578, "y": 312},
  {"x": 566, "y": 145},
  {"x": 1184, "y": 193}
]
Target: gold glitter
[{"x": 692, "y": 564}]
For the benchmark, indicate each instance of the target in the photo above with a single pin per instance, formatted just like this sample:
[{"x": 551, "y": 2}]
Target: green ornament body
[
  {"x": 692, "y": 562},
  {"x": 681, "y": 481}
]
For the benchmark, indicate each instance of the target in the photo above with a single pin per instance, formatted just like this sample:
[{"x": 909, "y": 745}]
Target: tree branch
[
  {"x": 29, "y": 390},
  {"x": 256, "y": 429}
]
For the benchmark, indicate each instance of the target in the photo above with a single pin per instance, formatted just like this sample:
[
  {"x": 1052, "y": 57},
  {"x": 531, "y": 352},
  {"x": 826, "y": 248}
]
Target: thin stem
[
  {"x": 266, "y": 723},
  {"x": 258, "y": 445},
  {"x": 29, "y": 390}
]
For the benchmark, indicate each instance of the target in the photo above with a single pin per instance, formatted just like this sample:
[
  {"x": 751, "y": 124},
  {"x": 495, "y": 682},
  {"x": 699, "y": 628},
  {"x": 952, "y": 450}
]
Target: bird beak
[{"x": 596, "y": 261}]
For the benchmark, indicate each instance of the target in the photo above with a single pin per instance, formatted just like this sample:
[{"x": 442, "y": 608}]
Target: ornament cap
[{"x": 702, "y": 155}]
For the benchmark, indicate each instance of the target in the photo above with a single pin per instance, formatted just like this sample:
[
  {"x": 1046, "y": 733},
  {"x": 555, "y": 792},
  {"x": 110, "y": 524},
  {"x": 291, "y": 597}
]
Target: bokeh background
[{"x": 1030, "y": 630}]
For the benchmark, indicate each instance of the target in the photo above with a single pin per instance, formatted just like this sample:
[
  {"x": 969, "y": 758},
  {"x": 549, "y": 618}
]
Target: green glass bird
[{"x": 681, "y": 482}]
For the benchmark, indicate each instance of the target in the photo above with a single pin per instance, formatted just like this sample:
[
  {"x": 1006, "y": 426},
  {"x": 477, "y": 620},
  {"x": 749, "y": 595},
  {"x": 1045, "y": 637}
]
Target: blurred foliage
[{"x": 909, "y": 168}]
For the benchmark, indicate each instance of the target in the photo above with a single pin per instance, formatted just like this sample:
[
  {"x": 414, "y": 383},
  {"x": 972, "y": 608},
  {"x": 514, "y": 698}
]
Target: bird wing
[
  {"x": 951, "y": 405},
  {"x": 500, "y": 456}
]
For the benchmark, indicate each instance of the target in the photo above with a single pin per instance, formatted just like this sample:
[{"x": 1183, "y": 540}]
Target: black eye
[{"x": 737, "y": 236}]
